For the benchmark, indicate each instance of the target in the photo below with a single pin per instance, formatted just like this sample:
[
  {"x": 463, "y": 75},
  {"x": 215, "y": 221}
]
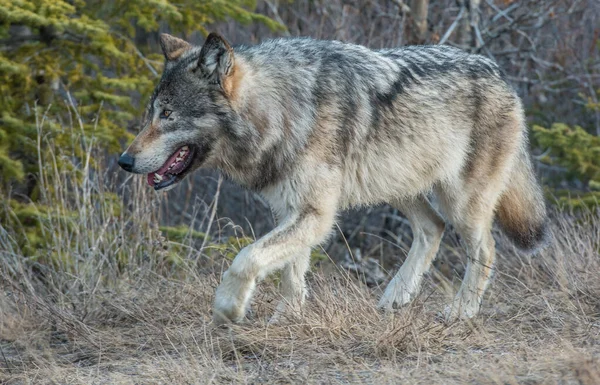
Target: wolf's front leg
[
  {"x": 296, "y": 234},
  {"x": 293, "y": 285}
]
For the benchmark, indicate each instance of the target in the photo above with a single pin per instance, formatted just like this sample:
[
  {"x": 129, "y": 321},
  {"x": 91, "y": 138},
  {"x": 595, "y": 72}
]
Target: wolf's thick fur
[{"x": 319, "y": 126}]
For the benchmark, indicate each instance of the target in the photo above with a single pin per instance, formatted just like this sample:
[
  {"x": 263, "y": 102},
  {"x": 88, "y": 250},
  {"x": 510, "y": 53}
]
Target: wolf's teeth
[
  {"x": 182, "y": 153},
  {"x": 185, "y": 148},
  {"x": 178, "y": 159}
]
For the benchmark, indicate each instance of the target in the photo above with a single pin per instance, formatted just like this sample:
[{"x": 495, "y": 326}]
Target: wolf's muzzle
[{"x": 126, "y": 162}]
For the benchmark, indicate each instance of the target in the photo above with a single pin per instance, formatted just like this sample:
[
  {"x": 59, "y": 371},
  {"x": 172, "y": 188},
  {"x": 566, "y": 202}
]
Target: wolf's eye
[{"x": 165, "y": 114}]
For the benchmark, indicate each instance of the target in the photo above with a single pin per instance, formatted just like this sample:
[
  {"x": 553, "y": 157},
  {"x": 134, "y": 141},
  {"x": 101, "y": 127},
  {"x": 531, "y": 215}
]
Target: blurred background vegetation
[{"x": 75, "y": 76}]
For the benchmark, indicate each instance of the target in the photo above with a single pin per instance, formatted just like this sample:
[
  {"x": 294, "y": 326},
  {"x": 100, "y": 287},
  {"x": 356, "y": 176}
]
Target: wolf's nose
[{"x": 126, "y": 162}]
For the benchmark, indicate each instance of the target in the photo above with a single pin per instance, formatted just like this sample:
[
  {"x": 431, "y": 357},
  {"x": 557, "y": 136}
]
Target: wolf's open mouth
[{"x": 173, "y": 167}]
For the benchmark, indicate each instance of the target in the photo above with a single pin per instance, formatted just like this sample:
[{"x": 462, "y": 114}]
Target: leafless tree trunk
[
  {"x": 468, "y": 34},
  {"x": 419, "y": 10},
  {"x": 476, "y": 39}
]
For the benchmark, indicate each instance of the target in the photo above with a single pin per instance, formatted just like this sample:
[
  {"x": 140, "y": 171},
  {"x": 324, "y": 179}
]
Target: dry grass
[
  {"x": 109, "y": 301},
  {"x": 540, "y": 324}
]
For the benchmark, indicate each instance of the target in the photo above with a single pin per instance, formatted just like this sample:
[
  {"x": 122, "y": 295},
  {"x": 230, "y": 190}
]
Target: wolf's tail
[{"x": 522, "y": 210}]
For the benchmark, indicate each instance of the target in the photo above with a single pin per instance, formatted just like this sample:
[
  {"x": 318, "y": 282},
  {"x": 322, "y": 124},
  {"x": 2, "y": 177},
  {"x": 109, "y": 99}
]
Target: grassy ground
[
  {"x": 103, "y": 298},
  {"x": 540, "y": 324}
]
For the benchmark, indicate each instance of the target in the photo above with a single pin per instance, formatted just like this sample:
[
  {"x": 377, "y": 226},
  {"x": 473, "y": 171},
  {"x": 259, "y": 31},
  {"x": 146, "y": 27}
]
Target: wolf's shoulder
[{"x": 298, "y": 46}]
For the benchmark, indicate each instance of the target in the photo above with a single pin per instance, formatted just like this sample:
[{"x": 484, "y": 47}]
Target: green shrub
[{"x": 578, "y": 152}]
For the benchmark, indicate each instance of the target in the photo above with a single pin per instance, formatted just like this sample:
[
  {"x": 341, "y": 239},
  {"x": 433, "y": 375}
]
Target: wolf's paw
[
  {"x": 461, "y": 309},
  {"x": 227, "y": 311},
  {"x": 286, "y": 310},
  {"x": 278, "y": 317},
  {"x": 394, "y": 297},
  {"x": 231, "y": 299}
]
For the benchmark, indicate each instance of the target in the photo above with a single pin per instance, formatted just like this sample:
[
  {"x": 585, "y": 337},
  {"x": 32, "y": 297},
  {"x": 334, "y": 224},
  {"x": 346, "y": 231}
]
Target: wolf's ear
[
  {"x": 216, "y": 59},
  {"x": 172, "y": 46}
]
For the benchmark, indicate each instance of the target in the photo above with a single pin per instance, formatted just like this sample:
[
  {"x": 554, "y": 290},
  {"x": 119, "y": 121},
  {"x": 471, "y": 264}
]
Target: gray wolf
[{"x": 320, "y": 126}]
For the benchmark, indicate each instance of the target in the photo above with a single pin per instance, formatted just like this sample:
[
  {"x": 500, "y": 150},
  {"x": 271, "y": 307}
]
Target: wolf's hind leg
[
  {"x": 480, "y": 245},
  {"x": 293, "y": 285},
  {"x": 428, "y": 228}
]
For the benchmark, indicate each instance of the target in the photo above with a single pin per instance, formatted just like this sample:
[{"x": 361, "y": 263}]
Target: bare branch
[{"x": 452, "y": 26}]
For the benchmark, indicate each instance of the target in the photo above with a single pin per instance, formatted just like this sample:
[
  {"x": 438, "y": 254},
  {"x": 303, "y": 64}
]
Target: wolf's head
[{"x": 188, "y": 114}]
